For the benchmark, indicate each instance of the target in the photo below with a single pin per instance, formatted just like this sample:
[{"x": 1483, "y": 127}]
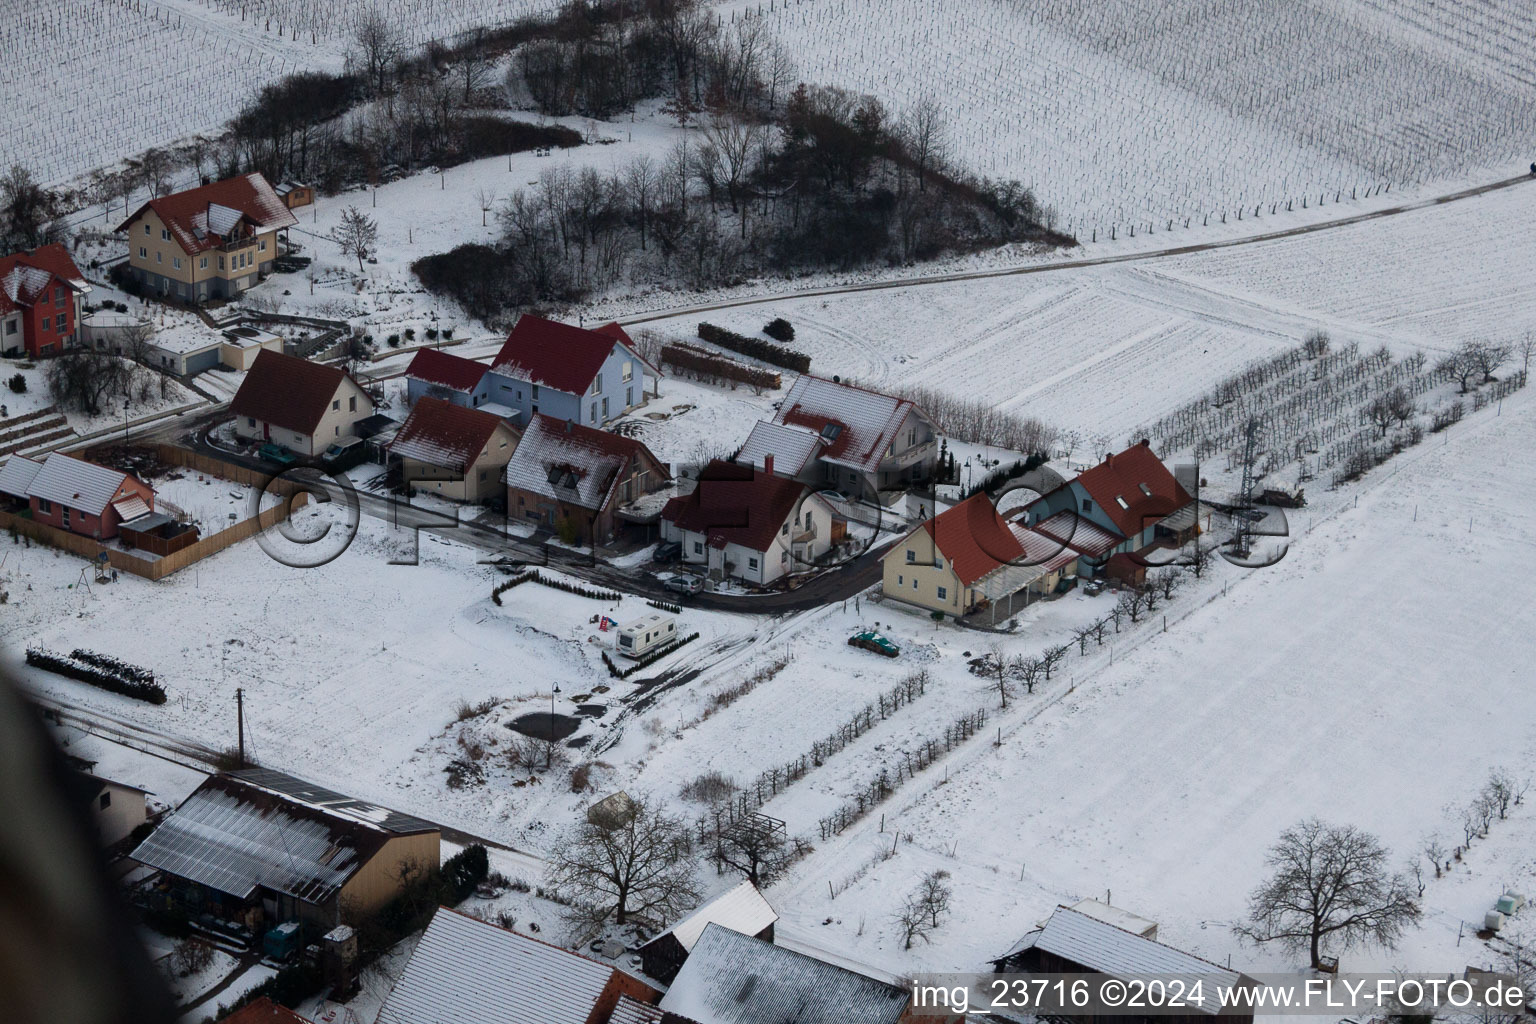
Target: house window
[
  {"x": 221, "y": 262},
  {"x": 10, "y": 327},
  {"x": 143, "y": 253},
  {"x": 1121, "y": 502},
  {"x": 605, "y": 408},
  {"x": 338, "y": 431},
  {"x": 176, "y": 262},
  {"x": 250, "y": 421},
  {"x": 158, "y": 259},
  {"x": 914, "y": 583},
  {"x": 594, "y": 412},
  {"x": 482, "y": 474},
  {"x": 783, "y": 557},
  {"x": 202, "y": 264},
  {"x": 165, "y": 235},
  {"x": 900, "y": 580},
  {"x": 352, "y": 404},
  {"x": 629, "y": 371},
  {"x": 47, "y": 323},
  {"x": 58, "y": 299},
  {"x": 751, "y": 563},
  {"x": 66, "y": 519},
  {"x": 938, "y": 563},
  {"x": 146, "y": 229},
  {"x": 629, "y": 396},
  {"x": 698, "y": 546},
  {"x": 597, "y": 384},
  {"x": 784, "y": 530},
  {"x": 911, "y": 557},
  {"x": 1087, "y": 505},
  {"x": 44, "y": 505},
  {"x": 105, "y": 801},
  {"x": 533, "y": 392},
  {"x": 943, "y": 593},
  {"x": 335, "y": 404},
  {"x": 262, "y": 245}
]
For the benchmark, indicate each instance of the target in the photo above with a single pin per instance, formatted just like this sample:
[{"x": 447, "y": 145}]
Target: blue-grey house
[
  {"x": 570, "y": 373},
  {"x": 449, "y": 377}
]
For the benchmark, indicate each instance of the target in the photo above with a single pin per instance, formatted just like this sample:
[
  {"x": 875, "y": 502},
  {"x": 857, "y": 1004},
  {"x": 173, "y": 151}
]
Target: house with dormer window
[{"x": 210, "y": 242}]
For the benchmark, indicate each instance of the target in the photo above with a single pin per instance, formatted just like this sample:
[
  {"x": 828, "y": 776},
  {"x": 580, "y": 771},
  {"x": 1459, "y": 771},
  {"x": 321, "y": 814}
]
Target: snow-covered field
[{"x": 1135, "y": 111}]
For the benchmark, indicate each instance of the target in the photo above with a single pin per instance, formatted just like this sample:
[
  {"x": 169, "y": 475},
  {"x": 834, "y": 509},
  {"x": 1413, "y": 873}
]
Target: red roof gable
[
  {"x": 446, "y": 370},
  {"x": 736, "y": 505},
  {"x": 443, "y": 434},
  {"x": 1138, "y": 478},
  {"x": 264, "y": 1011},
  {"x": 974, "y": 538},
  {"x": 556, "y": 355},
  {"x": 197, "y": 219},
  {"x": 287, "y": 391},
  {"x": 19, "y": 289}
]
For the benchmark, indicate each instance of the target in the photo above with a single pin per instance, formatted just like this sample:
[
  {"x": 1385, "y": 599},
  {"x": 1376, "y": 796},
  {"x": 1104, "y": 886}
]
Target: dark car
[
  {"x": 671, "y": 551},
  {"x": 274, "y": 452}
]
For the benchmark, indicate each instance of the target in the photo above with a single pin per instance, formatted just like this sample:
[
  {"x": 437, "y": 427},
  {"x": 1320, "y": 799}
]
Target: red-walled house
[
  {"x": 85, "y": 498},
  {"x": 40, "y": 295}
]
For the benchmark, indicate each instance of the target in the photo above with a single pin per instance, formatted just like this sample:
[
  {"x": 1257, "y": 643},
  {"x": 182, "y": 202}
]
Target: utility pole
[{"x": 240, "y": 721}]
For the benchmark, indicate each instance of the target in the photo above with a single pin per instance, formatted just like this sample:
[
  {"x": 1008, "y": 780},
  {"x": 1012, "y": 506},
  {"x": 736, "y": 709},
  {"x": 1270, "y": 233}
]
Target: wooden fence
[{"x": 159, "y": 568}]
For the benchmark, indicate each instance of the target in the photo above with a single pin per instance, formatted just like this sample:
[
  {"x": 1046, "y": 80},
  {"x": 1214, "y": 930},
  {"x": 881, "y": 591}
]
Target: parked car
[
  {"x": 278, "y": 453},
  {"x": 685, "y": 584},
  {"x": 836, "y": 497},
  {"x": 344, "y": 454},
  {"x": 872, "y": 641},
  {"x": 671, "y": 551},
  {"x": 1094, "y": 588}
]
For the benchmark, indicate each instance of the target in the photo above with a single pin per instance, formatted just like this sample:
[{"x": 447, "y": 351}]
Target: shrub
[
  {"x": 431, "y": 333},
  {"x": 779, "y": 329},
  {"x": 768, "y": 352},
  {"x": 580, "y": 777},
  {"x": 367, "y": 339},
  {"x": 17, "y": 384},
  {"x": 664, "y": 606},
  {"x": 138, "y": 683},
  {"x": 410, "y": 334},
  {"x": 463, "y": 872},
  {"x": 393, "y": 341},
  {"x": 447, "y": 333}
]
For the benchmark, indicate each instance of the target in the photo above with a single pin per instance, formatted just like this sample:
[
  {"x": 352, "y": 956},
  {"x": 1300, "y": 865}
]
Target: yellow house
[
  {"x": 456, "y": 452},
  {"x": 968, "y": 558},
  {"x": 210, "y": 242}
]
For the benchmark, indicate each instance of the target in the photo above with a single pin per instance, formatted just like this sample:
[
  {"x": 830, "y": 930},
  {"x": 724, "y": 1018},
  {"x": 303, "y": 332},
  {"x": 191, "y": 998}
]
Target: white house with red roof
[
  {"x": 751, "y": 524},
  {"x": 452, "y": 451},
  {"x": 853, "y": 440},
  {"x": 447, "y": 376},
  {"x": 1116, "y": 511},
  {"x": 590, "y": 377},
  {"x": 578, "y": 479},
  {"x": 214, "y": 241},
  {"x": 40, "y": 296},
  {"x": 302, "y": 405}
]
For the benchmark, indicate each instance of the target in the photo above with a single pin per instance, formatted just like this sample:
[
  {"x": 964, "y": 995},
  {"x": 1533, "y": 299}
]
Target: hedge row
[
  {"x": 664, "y": 606},
  {"x": 576, "y": 588},
  {"x": 757, "y": 348},
  {"x": 713, "y": 367},
  {"x": 506, "y": 585},
  {"x": 105, "y": 679},
  {"x": 649, "y": 659},
  {"x": 107, "y": 663}
]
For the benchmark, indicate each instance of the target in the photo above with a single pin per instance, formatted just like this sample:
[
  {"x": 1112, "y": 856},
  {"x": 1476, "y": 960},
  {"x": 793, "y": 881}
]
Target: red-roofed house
[
  {"x": 1130, "y": 495},
  {"x": 944, "y": 563},
  {"x": 578, "y": 479},
  {"x": 78, "y": 496},
  {"x": 836, "y": 435},
  {"x": 214, "y": 241},
  {"x": 750, "y": 524},
  {"x": 447, "y": 376},
  {"x": 570, "y": 373},
  {"x": 294, "y": 402},
  {"x": 264, "y": 1011},
  {"x": 456, "y": 452},
  {"x": 40, "y": 294}
]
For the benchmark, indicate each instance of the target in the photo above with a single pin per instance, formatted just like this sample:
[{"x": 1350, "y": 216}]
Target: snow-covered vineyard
[{"x": 447, "y": 601}]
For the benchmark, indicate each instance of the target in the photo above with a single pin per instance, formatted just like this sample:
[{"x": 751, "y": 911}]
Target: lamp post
[{"x": 549, "y": 752}]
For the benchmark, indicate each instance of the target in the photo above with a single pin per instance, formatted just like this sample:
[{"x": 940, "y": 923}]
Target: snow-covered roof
[
  {"x": 77, "y": 484},
  {"x": 131, "y": 507},
  {"x": 1046, "y": 552},
  {"x": 569, "y": 462},
  {"x": 200, "y": 218},
  {"x": 237, "y": 837},
  {"x": 791, "y": 447},
  {"x": 451, "y": 436},
  {"x": 446, "y": 370},
  {"x": 1084, "y": 537},
  {"x": 632, "y": 1011},
  {"x": 856, "y": 425},
  {"x": 331, "y": 802},
  {"x": 16, "y": 476},
  {"x": 466, "y": 971},
  {"x": 730, "y": 978},
  {"x": 741, "y": 909},
  {"x": 559, "y": 356},
  {"x": 1122, "y": 919},
  {"x": 24, "y": 275},
  {"x": 1102, "y": 947}
]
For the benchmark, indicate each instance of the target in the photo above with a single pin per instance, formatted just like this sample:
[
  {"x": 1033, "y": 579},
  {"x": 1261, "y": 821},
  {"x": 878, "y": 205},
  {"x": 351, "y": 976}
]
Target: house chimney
[
  {"x": 768, "y": 464},
  {"x": 1146, "y": 442},
  {"x": 567, "y": 425}
]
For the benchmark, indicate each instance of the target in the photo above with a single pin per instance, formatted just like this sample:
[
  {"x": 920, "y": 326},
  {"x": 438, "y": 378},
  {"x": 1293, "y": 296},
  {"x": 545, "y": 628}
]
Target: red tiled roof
[
  {"x": 736, "y": 505},
  {"x": 446, "y": 370},
  {"x": 556, "y": 355},
  {"x": 287, "y": 391},
  {"x": 1122, "y": 476},
  {"x": 443, "y": 434},
  {"x": 19, "y": 288},
  {"x": 198, "y": 220},
  {"x": 264, "y": 1011},
  {"x": 974, "y": 538}
]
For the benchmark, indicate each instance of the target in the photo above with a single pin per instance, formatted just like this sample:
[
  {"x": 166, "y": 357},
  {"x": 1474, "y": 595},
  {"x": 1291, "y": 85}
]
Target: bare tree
[
  {"x": 999, "y": 665},
  {"x": 1400, "y": 405},
  {"x": 1500, "y": 791},
  {"x": 1315, "y": 345},
  {"x": 1433, "y": 848},
  {"x": 754, "y": 850},
  {"x": 732, "y": 146},
  {"x": 474, "y": 69},
  {"x": 1380, "y": 413},
  {"x": 1133, "y": 603},
  {"x": 1051, "y": 657},
  {"x": 1330, "y": 885},
  {"x": 356, "y": 234},
  {"x": 1487, "y": 357},
  {"x": 641, "y": 181},
  {"x": 912, "y": 919},
  {"x": 1527, "y": 349},
  {"x": 486, "y": 197},
  {"x": 1029, "y": 670},
  {"x": 635, "y": 867},
  {"x": 84, "y": 378},
  {"x": 1166, "y": 581},
  {"x": 1462, "y": 365},
  {"x": 934, "y": 895},
  {"x": 378, "y": 48},
  {"x": 923, "y": 131}
]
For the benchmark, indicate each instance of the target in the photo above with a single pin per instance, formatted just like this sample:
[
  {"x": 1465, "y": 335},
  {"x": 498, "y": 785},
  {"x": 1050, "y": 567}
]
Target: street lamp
[{"x": 549, "y": 752}]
